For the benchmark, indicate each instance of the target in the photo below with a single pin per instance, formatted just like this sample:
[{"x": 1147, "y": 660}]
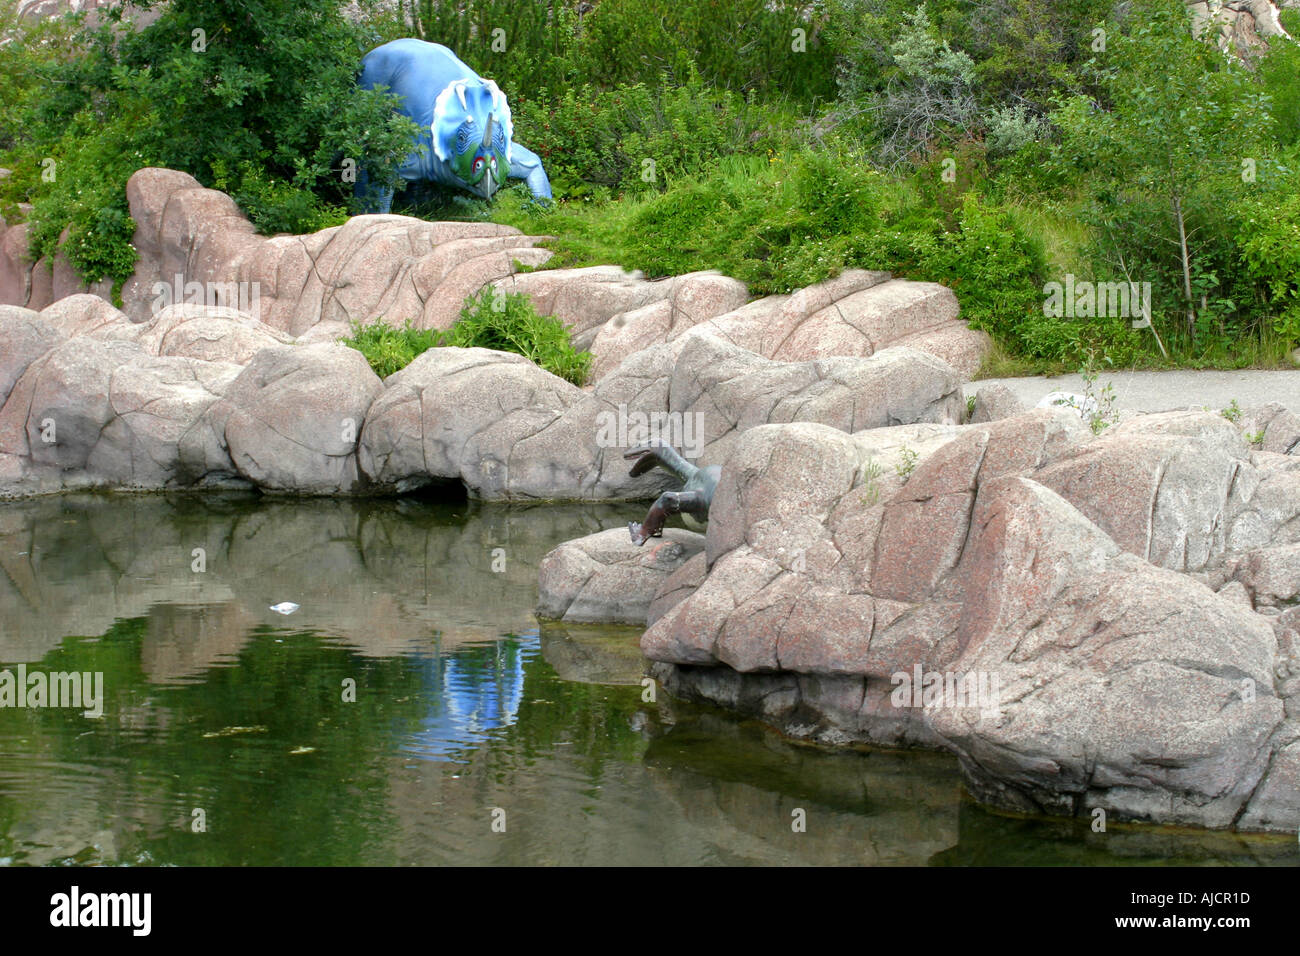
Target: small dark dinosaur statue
[{"x": 692, "y": 501}]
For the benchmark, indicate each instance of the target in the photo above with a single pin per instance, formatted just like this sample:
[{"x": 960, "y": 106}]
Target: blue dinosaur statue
[{"x": 467, "y": 134}]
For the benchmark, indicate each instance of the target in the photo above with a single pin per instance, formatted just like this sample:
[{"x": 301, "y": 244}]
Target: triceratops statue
[{"x": 467, "y": 134}]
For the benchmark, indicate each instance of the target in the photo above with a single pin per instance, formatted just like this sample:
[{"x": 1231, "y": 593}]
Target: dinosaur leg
[
  {"x": 667, "y": 504},
  {"x": 527, "y": 165}
]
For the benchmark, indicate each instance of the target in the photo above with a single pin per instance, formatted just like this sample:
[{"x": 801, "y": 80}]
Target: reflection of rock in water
[
  {"x": 594, "y": 654},
  {"x": 380, "y": 576},
  {"x": 739, "y": 784},
  {"x": 182, "y": 641},
  {"x": 990, "y": 838}
]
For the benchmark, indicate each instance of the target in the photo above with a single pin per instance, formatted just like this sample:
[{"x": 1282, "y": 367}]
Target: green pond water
[{"x": 466, "y": 713}]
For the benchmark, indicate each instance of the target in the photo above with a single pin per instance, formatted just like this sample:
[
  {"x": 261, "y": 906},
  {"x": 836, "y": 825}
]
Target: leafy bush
[
  {"x": 529, "y": 46},
  {"x": 931, "y": 97},
  {"x": 264, "y": 99},
  {"x": 390, "y": 349},
  {"x": 1269, "y": 241},
  {"x": 1279, "y": 72},
  {"x": 273, "y": 205},
  {"x": 605, "y": 137},
  {"x": 507, "y": 322},
  {"x": 741, "y": 45},
  {"x": 504, "y": 321},
  {"x": 1163, "y": 154},
  {"x": 524, "y": 45},
  {"x": 1011, "y": 129}
]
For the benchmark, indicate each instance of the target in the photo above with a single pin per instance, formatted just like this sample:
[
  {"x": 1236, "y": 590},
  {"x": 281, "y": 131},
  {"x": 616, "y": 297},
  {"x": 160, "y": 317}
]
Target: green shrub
[
  {"x": 508, "y": 322},
  {"x": 390, "y": 349},
  {"x": 1279, "y": 71},
  {"x": 267, "y": 107},
  {"x": 1269, "y": 243},
  {"x": 740, "y": 45},
  {"x": 531, "y": 45},
  {"x": 275, "y": 206},
  {"x": 522, "y": 44},
  {"x": 504, "y": 321},
  {"x": 605, "y": 137}
]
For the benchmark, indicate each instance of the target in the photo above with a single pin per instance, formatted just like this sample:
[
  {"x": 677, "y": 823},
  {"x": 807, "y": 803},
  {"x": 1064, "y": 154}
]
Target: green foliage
[
  {"x": 507, "y": 322},
  {"x": 274, "y": 205},
  {"x": 389, "y": 349},
  {"x": 907, "y": 458},
  {"x": 264, "y": 103},
  {"x": 524, "y": 45},
  {"x": 1100, "y": 412},
  {"x": 741, "y": 45},
  {"x": 1269, "y": 242},
  {"x": 636, "y": 136},
  {"x": 1022, "y": 50},
  {"x": 1165, "y": 151},
  {"x": 1233, "y": 412},
  {"x": 1279, "y": 72},
  {"x": 870, "y": 482},
  {"x": 558, "y": 45},
  {"x": 504, "y": 321}
]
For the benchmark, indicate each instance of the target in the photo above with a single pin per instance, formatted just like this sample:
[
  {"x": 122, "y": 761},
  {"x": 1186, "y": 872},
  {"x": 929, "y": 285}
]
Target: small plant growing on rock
[
  {"x": 1256, "y": 439},
  {"x": 871, "y": 473},
  {"x": 907, "y": 458},
  {"x": 970, "y": 407},
  {"x": 1233, "y": 412},
  {"x": 1099, "y": 410}
]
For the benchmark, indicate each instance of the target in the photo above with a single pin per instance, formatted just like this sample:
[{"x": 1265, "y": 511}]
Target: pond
[{"x": 411, "y": 710}]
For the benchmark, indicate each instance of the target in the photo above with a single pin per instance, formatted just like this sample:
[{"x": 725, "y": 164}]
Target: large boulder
[
  {"x": 466, "y": 415},
  {"x": 104, "y": 413},
  {"x": 291, "y": 419},
  {"x": 604, "y": 577},
  {"x": 963, "y": 604},
  {"x": 210, "y": 333},
  {"x": 26, "y": 338},
  {"x": 994, "y": 402},
  {"x": 1121, "y": 685}
]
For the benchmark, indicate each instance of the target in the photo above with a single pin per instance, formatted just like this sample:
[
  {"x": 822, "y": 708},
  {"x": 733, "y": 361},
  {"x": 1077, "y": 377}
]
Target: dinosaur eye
[{"x": 478, "y": 164}]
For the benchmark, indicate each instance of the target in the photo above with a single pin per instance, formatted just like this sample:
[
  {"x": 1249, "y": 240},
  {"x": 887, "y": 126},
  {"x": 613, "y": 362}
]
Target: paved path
[{"x": 1162, "y": 391}]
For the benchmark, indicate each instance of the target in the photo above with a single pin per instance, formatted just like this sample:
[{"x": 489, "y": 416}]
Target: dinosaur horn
[{"x": 487, "y": 133}]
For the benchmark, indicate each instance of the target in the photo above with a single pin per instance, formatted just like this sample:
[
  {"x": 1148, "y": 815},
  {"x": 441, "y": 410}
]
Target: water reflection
[
  {"x": 472, "y": 693},
  {"x": 411, "y": 697}
]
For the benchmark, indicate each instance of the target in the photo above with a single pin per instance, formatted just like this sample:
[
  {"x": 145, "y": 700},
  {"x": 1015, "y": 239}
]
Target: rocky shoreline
[
  {"x": 172, "y": 393},
  {"x": 1089, "y": 622},
  {"x": 1123, "y": 606}
]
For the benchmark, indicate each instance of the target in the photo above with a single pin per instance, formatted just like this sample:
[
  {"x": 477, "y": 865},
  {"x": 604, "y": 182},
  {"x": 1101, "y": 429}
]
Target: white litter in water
[{"x": 284, "y": 607}]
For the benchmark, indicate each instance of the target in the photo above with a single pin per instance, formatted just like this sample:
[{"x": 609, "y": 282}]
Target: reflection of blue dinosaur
[
  {"x": 474, "y": 692},
  {"x": 466, "y": 132}
]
